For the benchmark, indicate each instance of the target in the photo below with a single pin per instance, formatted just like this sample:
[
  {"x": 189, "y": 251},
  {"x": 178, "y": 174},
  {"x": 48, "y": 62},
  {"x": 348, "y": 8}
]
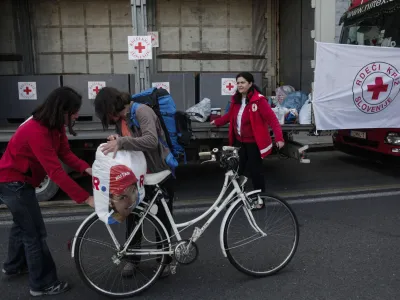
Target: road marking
[
  {"x": 301, "y": 194},
  {"x": 51, "y": 220},
  {"x": 344, "y": 197}
]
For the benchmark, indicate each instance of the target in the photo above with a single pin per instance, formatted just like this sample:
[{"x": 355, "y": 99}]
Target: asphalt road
[
  {"x": 349, "y": 215},
  {"x": 348, "y": 250}
]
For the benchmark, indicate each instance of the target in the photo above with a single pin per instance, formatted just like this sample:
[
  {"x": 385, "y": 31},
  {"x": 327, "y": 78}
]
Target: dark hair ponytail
[{"x": 61, "y": 101}]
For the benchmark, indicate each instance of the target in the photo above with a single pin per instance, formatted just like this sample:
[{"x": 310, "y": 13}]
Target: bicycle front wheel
[
  {"x": 100, "y": 267},
  {"x": 261, "y": 242}
]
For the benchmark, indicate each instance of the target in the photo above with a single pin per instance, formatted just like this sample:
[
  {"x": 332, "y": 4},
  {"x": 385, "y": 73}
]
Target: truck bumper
[{"x": 368, "y": 154}]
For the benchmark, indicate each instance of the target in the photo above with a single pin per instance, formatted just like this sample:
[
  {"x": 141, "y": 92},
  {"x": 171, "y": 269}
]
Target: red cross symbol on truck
[
  {"x": 230, "y": 86},
  {"x": 96, "y": 90},
  {"x": 377, "y": 88},
  {"x": 140, "y": 47},
  {"x": 27, "y": 90}
]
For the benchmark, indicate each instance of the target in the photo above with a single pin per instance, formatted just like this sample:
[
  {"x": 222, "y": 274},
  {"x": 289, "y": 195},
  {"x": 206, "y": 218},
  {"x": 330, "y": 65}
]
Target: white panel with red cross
[
  {"x": 139, "y": 47},
  {"x": 154, "y": 38},
  {"x": 164, "y": 85},
  {"x": 228, "y": 86},
  {"x": 94, "y": 87},
  {"x": 27, "y": 91}
]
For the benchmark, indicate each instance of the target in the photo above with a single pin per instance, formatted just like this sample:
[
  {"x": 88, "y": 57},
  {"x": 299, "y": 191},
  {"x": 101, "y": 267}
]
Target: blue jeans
[{"x": 27, "y": 245}]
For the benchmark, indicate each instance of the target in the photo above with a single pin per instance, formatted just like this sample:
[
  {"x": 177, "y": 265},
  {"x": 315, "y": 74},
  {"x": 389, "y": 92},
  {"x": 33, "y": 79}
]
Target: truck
[
  {"x": 197, "y": 48},
  {"x": 371, "y": 23}
]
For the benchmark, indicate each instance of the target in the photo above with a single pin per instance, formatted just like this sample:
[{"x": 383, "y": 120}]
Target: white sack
[
  {"x": 280, "y": 113},
  {"x": 134, "y": 160},
  {"x": 305, "y": 113}
]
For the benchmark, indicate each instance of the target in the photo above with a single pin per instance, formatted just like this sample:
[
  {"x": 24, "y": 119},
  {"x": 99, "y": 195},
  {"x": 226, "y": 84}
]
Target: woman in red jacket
[
  {"x": 35, "y": 149},
  {"x": 250, "y": 117}
]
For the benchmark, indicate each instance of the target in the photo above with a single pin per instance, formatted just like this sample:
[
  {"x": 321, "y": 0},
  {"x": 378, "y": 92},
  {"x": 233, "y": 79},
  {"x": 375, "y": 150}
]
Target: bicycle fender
[
  {"x": 94, "y": 213},
  {"x": 223, "y": 223},
  {"x": 78, "y": 231}
]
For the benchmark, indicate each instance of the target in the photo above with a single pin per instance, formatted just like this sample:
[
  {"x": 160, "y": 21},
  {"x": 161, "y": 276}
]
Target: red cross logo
[
  {"x": 230, "y": 86},
  {"x": 140, "y": 47},
  {"x": 27, "y": 90},
  {"x": 377, "y": 88},
  {"x": 96, "y": 90}
]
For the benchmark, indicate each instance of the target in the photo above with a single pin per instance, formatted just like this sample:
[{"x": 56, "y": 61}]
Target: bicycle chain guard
[{"x": 186, "y": 252}]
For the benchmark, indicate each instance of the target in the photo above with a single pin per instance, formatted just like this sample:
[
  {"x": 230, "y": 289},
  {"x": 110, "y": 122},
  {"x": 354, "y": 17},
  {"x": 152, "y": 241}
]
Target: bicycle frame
[{"x": 230, "y": 176}]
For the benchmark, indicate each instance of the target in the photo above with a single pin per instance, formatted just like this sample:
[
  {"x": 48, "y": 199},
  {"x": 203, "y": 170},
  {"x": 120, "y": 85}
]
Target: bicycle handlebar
[
  {"x": 216, "y": 151},
  {"x": 229, "y": 148},
  {"x": 201, "y": 154}
]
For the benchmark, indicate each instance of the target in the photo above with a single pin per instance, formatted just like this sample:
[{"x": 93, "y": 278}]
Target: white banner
[{"x": 356, "y": 87}]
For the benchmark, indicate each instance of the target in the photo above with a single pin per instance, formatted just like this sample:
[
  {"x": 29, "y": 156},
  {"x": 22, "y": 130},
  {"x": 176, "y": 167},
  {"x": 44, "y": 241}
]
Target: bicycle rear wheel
[
  {"x": 248, "y": 250},
  {"x": 99, "y": 267}
]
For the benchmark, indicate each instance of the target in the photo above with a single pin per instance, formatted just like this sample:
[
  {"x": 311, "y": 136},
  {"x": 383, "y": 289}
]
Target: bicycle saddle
[{"x": 156, "y": 178}]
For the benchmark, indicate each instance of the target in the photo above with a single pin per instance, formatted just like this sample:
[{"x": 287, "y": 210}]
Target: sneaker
[
  {"x": 128, "y": 270},
  {"x": 259, "y": 203},
  {"x": 58, "y": 288},
  {"x": 8, "y": 275}
]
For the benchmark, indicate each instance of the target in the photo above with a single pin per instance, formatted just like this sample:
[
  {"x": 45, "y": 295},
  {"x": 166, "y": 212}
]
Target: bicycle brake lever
[{"x": 213, "y": 159}]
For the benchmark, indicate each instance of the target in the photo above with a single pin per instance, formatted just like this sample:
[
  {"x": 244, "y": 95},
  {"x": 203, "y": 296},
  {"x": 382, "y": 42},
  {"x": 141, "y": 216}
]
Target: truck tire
[{"x": 46, "y": 190}]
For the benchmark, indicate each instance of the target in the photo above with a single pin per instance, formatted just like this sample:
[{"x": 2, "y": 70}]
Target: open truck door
[{"x": 324, "y": 31}]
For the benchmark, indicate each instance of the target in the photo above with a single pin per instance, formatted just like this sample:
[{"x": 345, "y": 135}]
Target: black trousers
[
  {"x": 169, "y": 187},
  {"x": 250, "y": 161}
]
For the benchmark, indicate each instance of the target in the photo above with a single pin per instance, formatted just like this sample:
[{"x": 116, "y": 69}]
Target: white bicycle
[{"x": 103, "y": 271}]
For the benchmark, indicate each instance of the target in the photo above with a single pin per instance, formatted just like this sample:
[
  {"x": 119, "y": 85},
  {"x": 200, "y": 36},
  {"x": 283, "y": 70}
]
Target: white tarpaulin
[{"x": 356, "y": 87}]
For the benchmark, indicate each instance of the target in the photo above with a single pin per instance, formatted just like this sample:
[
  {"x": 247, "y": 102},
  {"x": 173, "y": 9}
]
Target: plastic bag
[
  {"x": 280, "y": 113},
  {"x": 273, "y": 101},
  {"x": 295, "y": 100},
  {"x": 282, "y": 92},
  {"x": 118, "y": 184},
  {"x": 292, "y": 116},
  {"x": 201, "y": 111},
  {"x": 305, "y": 113}
]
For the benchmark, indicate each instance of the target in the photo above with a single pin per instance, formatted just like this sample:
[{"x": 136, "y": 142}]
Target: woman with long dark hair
[
  {"x": 35, "y": 150},
  {"x": 250, "y": 117}
]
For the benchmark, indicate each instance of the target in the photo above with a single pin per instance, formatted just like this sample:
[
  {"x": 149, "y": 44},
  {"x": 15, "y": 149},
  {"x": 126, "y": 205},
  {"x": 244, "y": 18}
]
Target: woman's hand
[
  {"x": 113, "y": 137},
  {"x": 89, "y": 171},
  {"x": 111, "y": 146},
  {"x": 212, "y": 122},
  {"x": 280, "y": 144},
  {"x": 90, "y": 201}
]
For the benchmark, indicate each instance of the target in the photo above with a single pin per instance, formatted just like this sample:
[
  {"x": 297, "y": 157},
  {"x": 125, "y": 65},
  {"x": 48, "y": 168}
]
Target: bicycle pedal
[{"x": 172, "y": 269}]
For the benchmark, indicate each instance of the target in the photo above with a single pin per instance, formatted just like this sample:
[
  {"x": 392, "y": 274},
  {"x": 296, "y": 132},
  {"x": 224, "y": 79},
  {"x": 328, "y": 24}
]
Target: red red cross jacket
[{"x": 257, "y": 117}]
